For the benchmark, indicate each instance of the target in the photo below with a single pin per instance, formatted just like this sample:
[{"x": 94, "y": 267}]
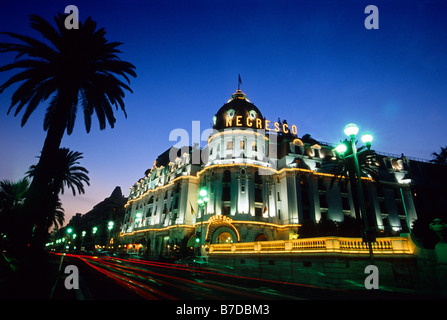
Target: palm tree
[
  {"x": 12, "y": 198},
  {"x": 56, "y": 215},
  {"x": 12, "y": 217},
  {"x": 344, "y": 171},
  {"x": 440, "y": 158},
  {"x": 66, "y": 172},
  {"x": 12, "y": 195},
  {"x": 78, "y": 67}
]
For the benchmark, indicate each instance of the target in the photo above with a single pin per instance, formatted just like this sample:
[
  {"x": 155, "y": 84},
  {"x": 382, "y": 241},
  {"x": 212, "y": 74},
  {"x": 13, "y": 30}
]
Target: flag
[
  {"x": 265, "y": 209},
  {"x": 192, "y": 209}
]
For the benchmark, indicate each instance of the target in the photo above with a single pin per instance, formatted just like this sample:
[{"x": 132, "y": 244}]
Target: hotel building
[{"x": 262, "y": 181}]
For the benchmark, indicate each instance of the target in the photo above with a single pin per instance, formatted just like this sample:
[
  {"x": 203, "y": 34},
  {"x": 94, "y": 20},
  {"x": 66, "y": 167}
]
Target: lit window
[{"x": 230, "y": 145}]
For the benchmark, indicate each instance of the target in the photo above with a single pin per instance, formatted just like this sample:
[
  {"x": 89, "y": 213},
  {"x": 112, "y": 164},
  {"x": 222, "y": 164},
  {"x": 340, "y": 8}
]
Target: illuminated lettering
[
  {"x": 238, "y": 121},
  {"x": 276, "y": 124},
  {"x": 267, "y": 125},
  {"x": 258, "y": 123},
  {"x": 294, "y": 129}
]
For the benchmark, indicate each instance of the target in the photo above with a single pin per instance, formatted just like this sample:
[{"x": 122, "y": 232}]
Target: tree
[
  {"x": 440, "y": 158},
  {"x": 12, "y": 198},
  {"x": 66, "y": 172},
  {"x": 78, "y": 67},
  {"x": 344, "y": 171}
]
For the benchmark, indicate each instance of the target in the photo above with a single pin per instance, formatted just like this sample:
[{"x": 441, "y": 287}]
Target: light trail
[
  {"x": 180, "y": 281},
  {"x": 214, "y": 288}
]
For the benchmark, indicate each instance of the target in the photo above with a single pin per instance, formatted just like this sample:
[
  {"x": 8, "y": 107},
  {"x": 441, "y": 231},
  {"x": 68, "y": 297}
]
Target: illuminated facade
[{"x": 262, "y": 183}]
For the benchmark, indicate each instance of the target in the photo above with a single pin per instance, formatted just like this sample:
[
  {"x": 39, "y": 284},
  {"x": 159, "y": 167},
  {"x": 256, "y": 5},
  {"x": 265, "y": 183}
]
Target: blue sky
[{"x": 310, "y": 62}]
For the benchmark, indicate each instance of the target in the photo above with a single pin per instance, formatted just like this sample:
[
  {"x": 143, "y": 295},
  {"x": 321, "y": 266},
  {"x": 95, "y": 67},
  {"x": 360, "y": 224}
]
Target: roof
[{"x": 237, "y": 106}]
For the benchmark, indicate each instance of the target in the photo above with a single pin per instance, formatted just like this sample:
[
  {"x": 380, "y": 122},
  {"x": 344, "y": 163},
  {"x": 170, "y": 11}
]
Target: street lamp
[
  {"x": 351, "y": 130},
  {"x": 94, "y": 230},
  {"x": 83, "y": 233},
  {"x": 110, "y": 227},
  {"x": 203, "y": 199}
]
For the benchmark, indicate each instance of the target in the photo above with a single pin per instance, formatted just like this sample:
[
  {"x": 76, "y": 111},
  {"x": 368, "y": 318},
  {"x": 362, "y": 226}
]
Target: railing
[{"x": 390, "y": 245}]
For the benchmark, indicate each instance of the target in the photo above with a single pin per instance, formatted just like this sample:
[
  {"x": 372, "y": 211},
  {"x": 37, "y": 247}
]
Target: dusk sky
[{"x": 311, "y": 62}]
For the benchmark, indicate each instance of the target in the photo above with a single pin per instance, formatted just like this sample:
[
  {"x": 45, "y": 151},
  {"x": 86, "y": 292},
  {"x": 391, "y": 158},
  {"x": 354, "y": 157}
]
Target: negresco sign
[{"x": 257, "y": 123}]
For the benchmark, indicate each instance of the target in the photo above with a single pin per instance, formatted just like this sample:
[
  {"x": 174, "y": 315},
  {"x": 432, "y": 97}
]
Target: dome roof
[{"x": 238, "y": 112}]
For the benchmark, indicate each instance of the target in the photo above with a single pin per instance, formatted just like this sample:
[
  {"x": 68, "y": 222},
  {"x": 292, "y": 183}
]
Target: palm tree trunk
[{"x": 39, "y": 193}]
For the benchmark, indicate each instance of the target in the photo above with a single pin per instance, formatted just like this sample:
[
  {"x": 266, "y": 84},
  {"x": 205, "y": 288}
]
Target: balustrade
[{"x": 392, "y": 245}]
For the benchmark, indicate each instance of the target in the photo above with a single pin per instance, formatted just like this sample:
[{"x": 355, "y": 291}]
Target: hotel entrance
[{"x": 224, "y": 237}]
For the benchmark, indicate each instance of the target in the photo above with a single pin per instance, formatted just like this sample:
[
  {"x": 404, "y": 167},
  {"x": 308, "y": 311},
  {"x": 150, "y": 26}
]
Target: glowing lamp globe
[
  {"x": 367, "y": 138},
  {"x": 351, "y": 129},
  {"x": 341, "y": 148},
  {"x": 203, "y": 193}
]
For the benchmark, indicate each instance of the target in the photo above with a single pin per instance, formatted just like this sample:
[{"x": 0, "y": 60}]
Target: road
[{"x": 115, "y": 278}]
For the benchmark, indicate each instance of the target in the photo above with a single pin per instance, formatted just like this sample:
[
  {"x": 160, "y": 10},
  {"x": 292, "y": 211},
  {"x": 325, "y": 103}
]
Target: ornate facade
[{"x": 262, "y": 183}]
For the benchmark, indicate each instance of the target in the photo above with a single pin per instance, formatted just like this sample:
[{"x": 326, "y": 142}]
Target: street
[{"x": 103, "y": 277}]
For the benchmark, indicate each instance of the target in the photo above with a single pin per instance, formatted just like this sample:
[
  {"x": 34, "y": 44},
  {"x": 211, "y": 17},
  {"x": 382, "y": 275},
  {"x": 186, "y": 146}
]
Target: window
[
  {"x": 345, "y": 202},
  {"x": 226, "y": 210},
  {"x": 230, "y": 145},
  {"x": 226, "y": 176},
  {"x": 305, "y": 200},
  {"x": 253, "y": 114},
  {"x": 242, "y": 144},
  {"x": 253, "y": 146}
]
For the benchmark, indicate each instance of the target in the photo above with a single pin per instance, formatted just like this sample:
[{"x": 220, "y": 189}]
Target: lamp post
[
  {"x": 94, "y": 230},
  {"x": 110, "y": 227},
  {"x": 351, "y": 131},
  {"x": 83, "y": 233},
  {"x": 203, "y": 200},
  {"x": 69, "y": 232}
]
